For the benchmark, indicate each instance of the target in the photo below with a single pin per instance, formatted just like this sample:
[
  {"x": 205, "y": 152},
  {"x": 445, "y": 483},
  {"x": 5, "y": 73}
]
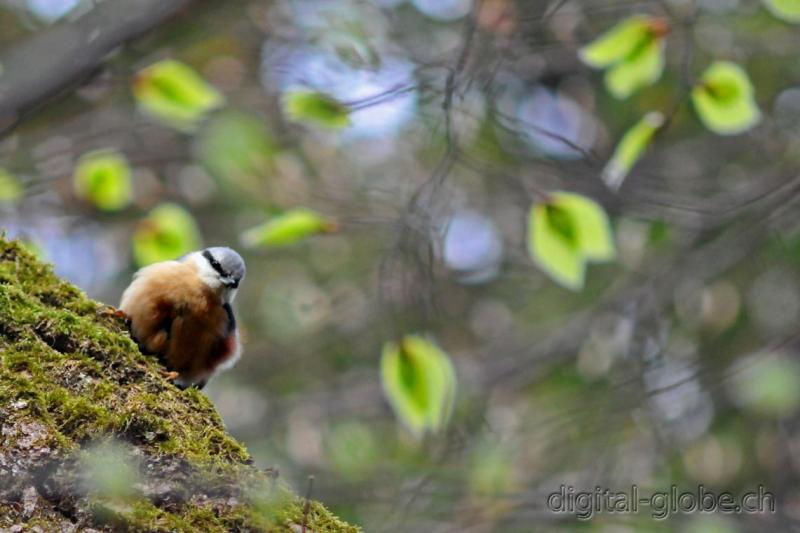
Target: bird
[{"x": 180, "y": 311}]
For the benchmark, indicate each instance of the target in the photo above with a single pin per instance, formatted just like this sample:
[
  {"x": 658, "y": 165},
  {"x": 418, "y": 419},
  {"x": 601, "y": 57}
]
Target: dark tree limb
[{"x": 56, "y": 59}]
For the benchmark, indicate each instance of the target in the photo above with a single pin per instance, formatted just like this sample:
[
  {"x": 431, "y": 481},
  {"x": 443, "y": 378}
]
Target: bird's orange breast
[{"x": 176, "y": 316}]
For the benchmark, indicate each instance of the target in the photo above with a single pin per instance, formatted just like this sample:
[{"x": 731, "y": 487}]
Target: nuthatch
[{"x": 181, "y": 311}]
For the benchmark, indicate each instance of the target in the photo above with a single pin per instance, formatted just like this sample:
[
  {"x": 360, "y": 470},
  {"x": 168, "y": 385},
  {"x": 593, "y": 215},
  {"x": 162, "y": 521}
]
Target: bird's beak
[{"x": 231, "y": 283}]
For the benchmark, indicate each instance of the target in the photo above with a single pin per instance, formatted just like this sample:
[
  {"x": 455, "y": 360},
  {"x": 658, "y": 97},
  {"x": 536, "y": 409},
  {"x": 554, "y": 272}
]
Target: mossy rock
[{"x": 72, "y": 382}]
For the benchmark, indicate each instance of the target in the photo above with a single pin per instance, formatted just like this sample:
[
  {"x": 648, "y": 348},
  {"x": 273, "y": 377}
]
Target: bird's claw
[
  {"x": 115, "y": 313},
  {"x": 170, "y": 375}
]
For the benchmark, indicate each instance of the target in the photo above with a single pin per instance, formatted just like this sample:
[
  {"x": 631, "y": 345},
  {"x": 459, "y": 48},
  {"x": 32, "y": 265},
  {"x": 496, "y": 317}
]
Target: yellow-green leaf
[
  {"x": 565, "y": 233},
  {"x": 630, "y": 149},
  {"x": 10, "y": 188},
  {"x": 288, "y": 228},
  {"x": 617, "y": 43},
  {"x": 104, "y": 179},
  {"x": 237, "y": 148},
  {"x": 419, "y": 382},
  {"x": 643, "y": 67},
  {"x": 175, "y": 94},
  {"x": 168, "y": 232},
  {"x": 724, "y": 99},
  {"x": 593, "y": 231},
  {"x": 633, "y": 53},
  {"x": 317, "y": 108},
  {"x": 552, "y": 247},
  {"x": 787, "y": 10}
]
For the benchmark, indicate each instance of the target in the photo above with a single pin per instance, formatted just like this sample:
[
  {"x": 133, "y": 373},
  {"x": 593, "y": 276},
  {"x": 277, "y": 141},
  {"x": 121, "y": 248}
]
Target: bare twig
[{"x": 307, "y": 506}]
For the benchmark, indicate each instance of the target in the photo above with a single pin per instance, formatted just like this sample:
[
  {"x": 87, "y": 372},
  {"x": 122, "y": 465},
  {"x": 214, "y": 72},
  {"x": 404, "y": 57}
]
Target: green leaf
[
  {"x": 104, "y": 179},
  {"x": 419, "y": 382},
  {"x": 175, "y": 94},
  {"x": 236, "y": 148},
  {"x": 593, "y": 231},
  {"x": 771, "y": 386},
  {"x": 168, "y": 232},
  {"x": 787, "y": 10},
  {"x": 288, "y": 228},
  {"x": 10, "y": 188},
  {"x": 633, "y": 53},
  {"x": 565, "y": 233},
  {"x": 630, "y": 149},
  {"x": 352, "y": 448},
  {"x": 552, "y": 250},
  {"x": 642, "y": 68},
  {"x": 316, "y": 108},
  {"x": 617, "y": 43},
  {"x": 724, "y": 99}
]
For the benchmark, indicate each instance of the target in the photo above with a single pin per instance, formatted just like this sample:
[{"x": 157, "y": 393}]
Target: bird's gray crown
[{"x": 227, "y": 262}]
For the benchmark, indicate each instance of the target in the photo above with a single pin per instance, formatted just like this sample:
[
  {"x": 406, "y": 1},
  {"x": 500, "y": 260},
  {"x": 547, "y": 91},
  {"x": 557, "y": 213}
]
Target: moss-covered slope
[{"x": 72, "y": 381}]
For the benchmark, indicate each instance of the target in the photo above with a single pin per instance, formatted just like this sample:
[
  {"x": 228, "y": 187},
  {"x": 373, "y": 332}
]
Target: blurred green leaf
[
  {"x": 168, "y": 232},
  {"x": 633, "y": 53},
  {"x": 617, "y": 43},
  {"x": 554, "y": 250},
  {"x": 237, "y": 148},
  {"x": 659, "y": 233},
  {"x": 109, "y": 472},
  {"x": 630, "y": 149},
  {"x": 419, "y": 382},
  {"x": 288, "y": 228},
  {"x": 175, "y": 94},
  {"x": 771, "y": 386},
  {"x": 316, "y": 108},
  {"x": 593, "y": 231},
  {"x": 566, "y": 232},
  {"x": 642, "y": 68},
  {"x": 352, "y": 448},
  {"x": 724, "y": 99},
  {"x": 492, "y": 471},
  {"x": 787, "y": 10},
  {"x": 104, "y": 179},
  {"x": 10, "y": 188}
]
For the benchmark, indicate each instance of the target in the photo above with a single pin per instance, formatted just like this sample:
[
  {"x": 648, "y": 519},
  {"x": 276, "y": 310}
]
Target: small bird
[{"x": 181, "y": 311}]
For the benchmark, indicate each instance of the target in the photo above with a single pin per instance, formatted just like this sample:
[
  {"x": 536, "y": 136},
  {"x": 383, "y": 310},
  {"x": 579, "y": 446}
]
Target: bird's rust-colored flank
[{"x": 182, "y": 320}]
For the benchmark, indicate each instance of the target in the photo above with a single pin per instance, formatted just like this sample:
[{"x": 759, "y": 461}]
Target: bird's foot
[
  {"x": 109, "y": 311},
  {"x": 170, "y": 375}
]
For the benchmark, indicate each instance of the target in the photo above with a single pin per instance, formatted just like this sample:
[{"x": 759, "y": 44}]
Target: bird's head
[{"x": 220, "y": 268}]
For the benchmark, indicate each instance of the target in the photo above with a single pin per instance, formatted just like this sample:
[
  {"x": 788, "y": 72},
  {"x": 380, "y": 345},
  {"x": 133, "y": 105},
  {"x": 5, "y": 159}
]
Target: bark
[{"x": 92, "y": 437}]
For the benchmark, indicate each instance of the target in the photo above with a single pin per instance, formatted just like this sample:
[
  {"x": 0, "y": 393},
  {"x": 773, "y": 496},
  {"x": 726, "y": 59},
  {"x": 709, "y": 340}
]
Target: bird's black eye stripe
[{"x": 214, "y": 263}]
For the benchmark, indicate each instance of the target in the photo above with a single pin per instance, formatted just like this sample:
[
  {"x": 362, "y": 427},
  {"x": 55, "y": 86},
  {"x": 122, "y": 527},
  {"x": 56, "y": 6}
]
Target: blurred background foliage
[{"x": 380, "y": 163}]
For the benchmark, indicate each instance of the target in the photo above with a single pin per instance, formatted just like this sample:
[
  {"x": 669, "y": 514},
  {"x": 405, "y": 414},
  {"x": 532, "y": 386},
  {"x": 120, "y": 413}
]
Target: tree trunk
[{"x": 93, "y": 438}]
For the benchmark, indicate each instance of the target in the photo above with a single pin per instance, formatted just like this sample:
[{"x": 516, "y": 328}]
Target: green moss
[{"x": 70, "y": 375}]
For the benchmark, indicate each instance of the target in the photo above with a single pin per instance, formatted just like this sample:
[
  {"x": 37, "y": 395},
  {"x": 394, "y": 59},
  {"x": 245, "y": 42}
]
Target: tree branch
[{"x": 43, "y": 67}]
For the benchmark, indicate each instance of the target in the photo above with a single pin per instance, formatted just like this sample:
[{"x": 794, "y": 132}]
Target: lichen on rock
[{"x": 72, "y": 382}]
